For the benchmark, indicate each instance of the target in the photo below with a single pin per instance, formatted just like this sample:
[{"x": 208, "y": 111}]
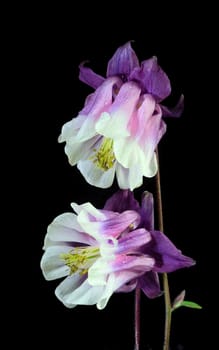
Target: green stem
[{"x": 165, "y": 277}]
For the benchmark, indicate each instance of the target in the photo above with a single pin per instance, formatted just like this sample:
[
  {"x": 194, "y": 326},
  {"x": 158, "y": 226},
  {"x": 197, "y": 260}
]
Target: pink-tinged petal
[
  {"x": 52, "y": 265},
  {"x": 134, "y": 263},
  {"x": 152, "y": 79},
  {"x": 169, "y": 258},
  {"x": 139, "y": 121},
  {"x": 176, "y": 111},
  {"x": 114, "y": 122},
  {"x": 132, "y": 241},
  {"x": 100, "y": 272},
  {"x": 101, "y": 98},
  {"x": 89, "y": 77},
  {"x": 117, "y": 281},
  {"x": 147, "y": 211},
  {"x": 65, "y": 228},
  {"x": 120, "y": 222},
  {"x": 129, "y": 178},
  {"x": 150, "y": 285},
  {"x": 121, "y": 201},
  {"x": 149, "y": 126},
  {"x": 96, "y": 176},
  {"x": 123, "y": 61},
  {"x": 111, "y": 226}
]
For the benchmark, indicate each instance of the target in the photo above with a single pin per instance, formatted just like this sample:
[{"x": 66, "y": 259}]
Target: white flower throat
[
  {"x": 104, "y": 158},
  {"x": 80, "y": 258}
]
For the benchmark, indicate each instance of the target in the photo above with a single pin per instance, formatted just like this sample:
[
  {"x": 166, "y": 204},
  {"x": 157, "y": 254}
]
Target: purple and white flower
[
  {"x": 165, "y": 254},
  {"x": 117, "y": 131},
  {"x": 105, "y": 251}
]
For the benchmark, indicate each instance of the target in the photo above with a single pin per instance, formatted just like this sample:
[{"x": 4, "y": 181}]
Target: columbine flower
[
  {"x": 107, "y": 251},
  {"x": 121, "y": 123},
  {"x": 99, "y": 252},
  {"x": 166, "y": 256}
]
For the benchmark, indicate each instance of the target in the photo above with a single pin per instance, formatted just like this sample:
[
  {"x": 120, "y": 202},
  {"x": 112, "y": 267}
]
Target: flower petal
[
  {"x": 147, "y": 211},
  {"x": 75, "y": 290},
  {"x": 171, "y": 258},
  {"x": 129, "y": 178},
  {"x": 176, "y": 111},
  {"x": 150, "y": 285},
  {"x": 89, "y": 77},
  {"x": 96, "y": 176},
  {"x": 112, "y": 226},
  {"x": 52, "y": 265},
  {"x": 152, "y": 79},
  {"x": 65, "y": 228},
  {"x": 113, "y": 124},
  {"x": 140, "y": 161},
  {"x": 123, "y": 61},
  {"x": 103, "y": 267},
  {"x": 77, "y": 151},
  {"x": 121, "y": 201},
  {"x": 101, "y": 98},
  {"x": 131, "y": 241},
  {"x": 128, "y": 287}
]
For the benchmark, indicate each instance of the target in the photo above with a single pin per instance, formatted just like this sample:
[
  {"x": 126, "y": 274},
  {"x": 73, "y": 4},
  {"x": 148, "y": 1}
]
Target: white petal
[
  {"x": 89, "y": 209},
  {"x": 74, "y": 291},
  {"x": 96, "y": 176},
  {"x": 87, "y": 130},
  {"x": 97, "y": 274},
  {"x": 52, "y": 265},
  {"x": 67, "y": 287},
  {"x": 65, "y": 228},
  {"x": 112, "y": 127},
  {"x": 129, "y": 178},
  {"x": 79, "y": 150},
  {"x": 130, "y": 154},
  {"x": 70, "y": 129}
]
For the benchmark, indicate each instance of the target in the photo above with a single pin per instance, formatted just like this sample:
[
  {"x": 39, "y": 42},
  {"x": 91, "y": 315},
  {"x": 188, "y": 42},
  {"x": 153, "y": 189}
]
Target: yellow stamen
[
  {"x": 104, "y": 158},
  {"x": 80, "y": 259}
]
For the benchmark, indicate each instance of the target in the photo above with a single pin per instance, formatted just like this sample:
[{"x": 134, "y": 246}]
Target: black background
[{"x": 49, "y": 47}]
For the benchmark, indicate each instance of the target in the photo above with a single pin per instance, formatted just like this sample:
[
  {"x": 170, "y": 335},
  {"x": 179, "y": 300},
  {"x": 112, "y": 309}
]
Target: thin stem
[
  {"x": 137, "y": 318},
  {"x": 165, "y": 277}
]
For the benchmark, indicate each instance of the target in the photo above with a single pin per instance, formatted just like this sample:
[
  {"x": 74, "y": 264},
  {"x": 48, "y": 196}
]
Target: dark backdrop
[{"x": 54, "y": 45}]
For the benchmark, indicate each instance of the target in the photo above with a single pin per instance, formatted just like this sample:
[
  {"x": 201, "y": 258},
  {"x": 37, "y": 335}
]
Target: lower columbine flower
[
  {"x": 117, "y": 131},
  {"x": 107, "y": 251}
]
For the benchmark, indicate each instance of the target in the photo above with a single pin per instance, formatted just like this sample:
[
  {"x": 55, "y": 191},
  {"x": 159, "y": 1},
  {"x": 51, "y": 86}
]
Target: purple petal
[
  {"x": 123, "y": 61},
  {"x": 152, "y": 79},
  {"x": 175, "y": 111},
  {"x": 150, "y": 285},
  {"x": 114, "y": 226},
  {"x": 147, "y": 211},
  {"x": 89, "y": 77},
  {"x": 168, "y": 257},
  {"x": 121, "y": 201},
  {"x": 132, "y": 241}
]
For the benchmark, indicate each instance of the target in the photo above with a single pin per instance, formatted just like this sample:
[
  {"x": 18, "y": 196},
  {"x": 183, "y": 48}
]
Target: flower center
[
  {"x": 80, "y": 259},
  {"x": 104, "y": 157}
]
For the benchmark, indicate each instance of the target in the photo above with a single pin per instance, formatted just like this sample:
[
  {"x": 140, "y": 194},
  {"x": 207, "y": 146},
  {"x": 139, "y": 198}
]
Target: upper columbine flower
[
  {"x": 103, "y": 251},
  {"x": 121, "y": 123}
]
